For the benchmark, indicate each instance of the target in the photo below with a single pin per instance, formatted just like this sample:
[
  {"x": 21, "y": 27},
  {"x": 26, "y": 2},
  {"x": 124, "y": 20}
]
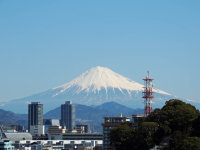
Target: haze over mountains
[{"x": 93, "y": 87}]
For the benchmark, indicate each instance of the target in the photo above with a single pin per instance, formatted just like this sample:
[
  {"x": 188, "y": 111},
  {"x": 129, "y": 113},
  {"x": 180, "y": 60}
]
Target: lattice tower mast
[{"x": 148, "y": 95}]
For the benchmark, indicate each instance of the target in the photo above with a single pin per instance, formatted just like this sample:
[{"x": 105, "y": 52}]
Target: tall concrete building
[
  {"x": 35, "y": 118},
  {"x": 68, "y": 115}
]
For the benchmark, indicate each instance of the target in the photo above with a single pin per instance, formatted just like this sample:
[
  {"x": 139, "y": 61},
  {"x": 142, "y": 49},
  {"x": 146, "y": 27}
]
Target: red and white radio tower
[{"x": 148, "y": 95}]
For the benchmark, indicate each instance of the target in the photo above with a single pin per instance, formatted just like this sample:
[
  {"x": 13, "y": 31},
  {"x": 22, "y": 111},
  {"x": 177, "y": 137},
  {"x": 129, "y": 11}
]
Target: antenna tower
[{"x": 148, "y": 95}]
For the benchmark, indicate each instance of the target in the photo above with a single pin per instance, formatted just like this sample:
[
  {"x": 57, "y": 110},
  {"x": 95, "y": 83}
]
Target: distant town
[{"x": 64, "y": 133}]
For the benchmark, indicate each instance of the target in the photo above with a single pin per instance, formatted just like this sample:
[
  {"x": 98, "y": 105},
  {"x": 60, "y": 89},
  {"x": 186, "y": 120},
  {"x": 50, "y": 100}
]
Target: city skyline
[{"x": 46, "y": 44}]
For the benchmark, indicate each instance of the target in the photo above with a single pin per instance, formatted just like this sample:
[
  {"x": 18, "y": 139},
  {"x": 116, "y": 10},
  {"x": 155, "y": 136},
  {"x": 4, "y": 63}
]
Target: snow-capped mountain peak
[
  {"x": 98, "y": 78},
  {"x": 96, "y": 86}
]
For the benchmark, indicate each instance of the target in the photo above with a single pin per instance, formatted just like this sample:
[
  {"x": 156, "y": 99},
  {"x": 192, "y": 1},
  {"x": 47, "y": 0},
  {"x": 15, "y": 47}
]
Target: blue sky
[{"x": 46, "y": 43}]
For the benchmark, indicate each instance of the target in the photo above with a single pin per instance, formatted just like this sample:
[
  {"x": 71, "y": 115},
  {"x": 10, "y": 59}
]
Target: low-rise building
[
  {"x": 82, "y": 136},
  {"x": 6, "y": 145},
  {"x": 83, "y": 128},
  {"x": 137, "y": 119},
  {"x": 50, "y": 122},
  {"x": 58, "y": 144},
  {"x": 17, "y": 136},
  {"x": 55, "y": 132}
]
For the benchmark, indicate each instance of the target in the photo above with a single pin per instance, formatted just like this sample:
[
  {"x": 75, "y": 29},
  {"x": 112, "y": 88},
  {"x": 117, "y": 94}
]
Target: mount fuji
[{"x": 93, "y": 87}]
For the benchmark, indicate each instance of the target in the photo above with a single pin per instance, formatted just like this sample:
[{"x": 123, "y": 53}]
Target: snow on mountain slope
[
  {"x": 99, "y": 78},
  {"x": 94, "y": 87}
]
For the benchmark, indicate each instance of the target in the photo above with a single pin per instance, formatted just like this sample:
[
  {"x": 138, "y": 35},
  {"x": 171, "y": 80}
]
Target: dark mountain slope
[{"x": 10, "y": 118}]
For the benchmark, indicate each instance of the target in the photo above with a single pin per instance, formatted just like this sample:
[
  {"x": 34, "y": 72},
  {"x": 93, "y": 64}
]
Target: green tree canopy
[
  {"x": 122, "y": 137},
  {"x": 173, "y": 125},
  {"x": 176, "y": 114},
  {"x": 189, "y": 143}
]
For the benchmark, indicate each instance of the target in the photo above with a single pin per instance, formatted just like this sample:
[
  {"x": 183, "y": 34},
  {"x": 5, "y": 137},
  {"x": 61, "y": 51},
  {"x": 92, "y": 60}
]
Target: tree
[
  {"x": 122, "y": 137},
  {"x": 176, "y": 114},
  {"x": 147, "y": 131},
  {"x": 196, "y": 127},
  {"x": 189, "y": 143},
  {"x": 179, "y": 115},
  {"x": 176, "y": 139}
]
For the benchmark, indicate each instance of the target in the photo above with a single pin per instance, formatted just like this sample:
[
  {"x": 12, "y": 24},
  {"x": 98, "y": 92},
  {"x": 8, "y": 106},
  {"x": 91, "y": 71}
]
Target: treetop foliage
[{"x": 170, "y": 128}]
